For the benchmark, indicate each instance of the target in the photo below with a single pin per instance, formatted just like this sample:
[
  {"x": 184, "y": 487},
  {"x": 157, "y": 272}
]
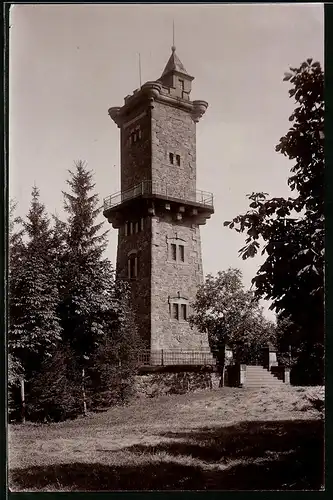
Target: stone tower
[{"x": 158, "y": 211}]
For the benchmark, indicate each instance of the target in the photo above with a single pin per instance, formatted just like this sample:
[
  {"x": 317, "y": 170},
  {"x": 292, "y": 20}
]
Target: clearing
[{"x": 225, "y": 439}]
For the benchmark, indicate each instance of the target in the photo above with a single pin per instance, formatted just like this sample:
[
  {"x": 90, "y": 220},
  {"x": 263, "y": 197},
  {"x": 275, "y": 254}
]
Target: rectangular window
[
  {"x": 175, "y": 312},
  {"x": 182, "y": 253},
  {"x": 131, "y": 228},
  {"x": 171, "y": 158},
  {"x": 183, "y": 312},
  {"x": 173, "y": 251},
  {"x": 137, "y": 227},
  {"x": 139, "y": 133},
  {"x": 126, "y": 228},
  {"x": 178, "y": 160},
  {"x": 141, "y": 223},
  {"x": 181, "y": 83}
]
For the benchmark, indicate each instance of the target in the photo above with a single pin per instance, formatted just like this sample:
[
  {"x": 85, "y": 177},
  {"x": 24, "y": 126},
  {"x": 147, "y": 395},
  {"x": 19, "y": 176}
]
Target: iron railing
[
  {"x": 166, "y": 190},
  {"x": 163, "y": 357}
]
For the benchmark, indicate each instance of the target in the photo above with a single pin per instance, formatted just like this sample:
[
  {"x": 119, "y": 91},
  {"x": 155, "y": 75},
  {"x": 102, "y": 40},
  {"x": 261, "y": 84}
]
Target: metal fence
[
  {"x": 167, "y": 191},
  {"x": 163, "y": 357}
]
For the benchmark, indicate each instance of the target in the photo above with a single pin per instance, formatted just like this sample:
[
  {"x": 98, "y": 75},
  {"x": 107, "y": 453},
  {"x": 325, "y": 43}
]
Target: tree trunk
[
  {"x": 22, "y": 401},
  {"x": 84, "y": 394}
]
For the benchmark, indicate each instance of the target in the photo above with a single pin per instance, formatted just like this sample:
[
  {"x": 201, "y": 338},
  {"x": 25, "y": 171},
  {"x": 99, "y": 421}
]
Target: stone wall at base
[{"x": 161, "y": 384}]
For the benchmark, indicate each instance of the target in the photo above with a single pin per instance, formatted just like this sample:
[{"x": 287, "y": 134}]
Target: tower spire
[{"x": 173, "y": 47}]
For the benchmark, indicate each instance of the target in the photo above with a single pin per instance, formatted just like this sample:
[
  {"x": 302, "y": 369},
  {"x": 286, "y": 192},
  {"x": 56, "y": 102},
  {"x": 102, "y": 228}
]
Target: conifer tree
[
  {"x": 86, "y": 274},
  {"x": 34, "y": 326},
  {"x": 94, "y": 313}
]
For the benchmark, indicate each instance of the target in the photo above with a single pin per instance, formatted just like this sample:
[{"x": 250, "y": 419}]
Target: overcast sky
[{"x": 70, "y": 63}]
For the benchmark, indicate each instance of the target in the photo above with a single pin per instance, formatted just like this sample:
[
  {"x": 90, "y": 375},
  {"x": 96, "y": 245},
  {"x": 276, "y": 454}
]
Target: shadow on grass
[{"x": 290, "y": 453}]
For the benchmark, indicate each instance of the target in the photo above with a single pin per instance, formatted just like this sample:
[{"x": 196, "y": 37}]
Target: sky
[{"x": 70, "y": 63}]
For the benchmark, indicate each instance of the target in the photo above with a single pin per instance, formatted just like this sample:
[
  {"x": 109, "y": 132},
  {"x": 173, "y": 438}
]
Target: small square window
[
  {"x": 182, "y": 253},
  {"x": 171, "y": 158},
  {"x": 173, "y": 251},
  {"x": 183, "y": 312},
  {"x": 175, "y": 311},
  {"x": 178, "y": 160}
]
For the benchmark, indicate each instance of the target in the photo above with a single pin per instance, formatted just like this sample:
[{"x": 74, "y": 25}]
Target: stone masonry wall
[
  {"x": 140, "y": 288},
  {"x": 173, "y": 131},
  {"x": 169, "y": 278},
  {"x": 136, "y": 157},
  {"x": 160, "y": 384}
]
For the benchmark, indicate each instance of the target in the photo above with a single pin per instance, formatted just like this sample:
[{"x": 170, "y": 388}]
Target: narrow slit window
[
  {"x": 182, "y": 253},
  {"x": 183, "y": 312},
  {"x": 173, "y": 251},
  {"x": 175, "y": 312},
  {"x": 137, "y": 227},
  {"x": 171, "y": 158},
  {"x": 132, "y": 267},
  {"x": 141, "y": 223},
  {"x": 126, "y": 228},
  {"x": 131, "y": 228},
  {"x": 178, "y": 160}
]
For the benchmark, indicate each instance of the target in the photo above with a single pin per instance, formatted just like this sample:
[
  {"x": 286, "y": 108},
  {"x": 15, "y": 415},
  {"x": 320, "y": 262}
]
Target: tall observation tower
[{"x": 159, "y": 210}]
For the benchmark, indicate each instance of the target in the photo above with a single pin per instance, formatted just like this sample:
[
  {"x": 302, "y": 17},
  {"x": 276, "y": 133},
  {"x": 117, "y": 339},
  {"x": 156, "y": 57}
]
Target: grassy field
[{"x": 227, "y": 439}]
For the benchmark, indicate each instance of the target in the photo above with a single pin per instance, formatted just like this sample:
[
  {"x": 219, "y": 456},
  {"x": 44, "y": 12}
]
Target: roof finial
[{"x": 173, "y": 48}]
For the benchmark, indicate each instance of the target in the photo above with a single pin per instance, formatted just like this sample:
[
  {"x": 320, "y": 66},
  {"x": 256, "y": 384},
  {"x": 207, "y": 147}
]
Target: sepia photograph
[{"x": 166, "y": 254}]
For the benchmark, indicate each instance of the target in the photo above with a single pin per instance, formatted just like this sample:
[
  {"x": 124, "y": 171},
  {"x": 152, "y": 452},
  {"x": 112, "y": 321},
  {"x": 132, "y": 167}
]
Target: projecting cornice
[{"x": 152, "y": 92}]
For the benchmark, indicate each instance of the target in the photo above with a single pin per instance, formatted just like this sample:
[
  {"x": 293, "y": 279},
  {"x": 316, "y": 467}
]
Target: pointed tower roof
[{"x": 174, "y": 64}]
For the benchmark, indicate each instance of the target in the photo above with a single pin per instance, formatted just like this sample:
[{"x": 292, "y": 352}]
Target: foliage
[
  {"x": 292, "y": 229},
  {"x": 114, "y": 362},
  {"x": 231, "y": 315},
  {"x": 55, "y": 390}
]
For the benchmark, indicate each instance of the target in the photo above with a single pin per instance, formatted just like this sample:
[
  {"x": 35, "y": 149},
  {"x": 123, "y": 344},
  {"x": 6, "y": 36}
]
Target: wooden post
[
  {"x": 84, "y": 395},
  {"x": 22, "y": 401}
]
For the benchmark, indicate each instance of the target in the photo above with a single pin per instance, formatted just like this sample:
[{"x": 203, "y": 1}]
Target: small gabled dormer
[{"x": 176, "y": 77}]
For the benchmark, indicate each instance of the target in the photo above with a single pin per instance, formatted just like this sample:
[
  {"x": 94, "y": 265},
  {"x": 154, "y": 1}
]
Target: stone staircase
[{"x": 257, "y": 377}]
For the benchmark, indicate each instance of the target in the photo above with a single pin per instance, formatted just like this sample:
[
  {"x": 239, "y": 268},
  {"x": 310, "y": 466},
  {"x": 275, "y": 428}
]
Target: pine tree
[
  {"x": 85, "y": 272},
  {"x": 34, "y": 326},
  {"x": 94, "y": 311}
]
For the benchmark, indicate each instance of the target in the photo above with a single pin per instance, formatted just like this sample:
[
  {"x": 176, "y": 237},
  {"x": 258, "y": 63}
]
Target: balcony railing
[
  {"x": 164, "y": 357},
  {"x": 203, "y": 198}
]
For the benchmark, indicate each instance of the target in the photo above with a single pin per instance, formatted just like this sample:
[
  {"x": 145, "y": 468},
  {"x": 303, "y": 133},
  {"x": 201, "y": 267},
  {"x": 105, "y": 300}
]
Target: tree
[
  {"x": 87, "y": 276},
  {"x": 95, "y": 315},
  {"x": 231, "y": 315},
  {"x": 292, "y": 230},
  {"x": 34, "y": 326}
]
